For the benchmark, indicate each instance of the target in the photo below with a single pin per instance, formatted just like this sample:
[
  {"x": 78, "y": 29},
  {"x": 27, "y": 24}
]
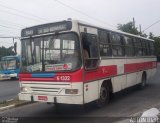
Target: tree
[
  {"x": 129, "y": 28},
  {"x": 151, "y": 36},
  {"x": 6, "y": 51},
  {"x": 157, "y": 45}
]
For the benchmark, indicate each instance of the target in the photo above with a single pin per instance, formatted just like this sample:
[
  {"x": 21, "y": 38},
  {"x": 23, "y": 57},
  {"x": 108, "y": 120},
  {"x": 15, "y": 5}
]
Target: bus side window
[
  {"x": 129, "y": 47},
  {"x": 104, "y": 44},
  {"x": 117, "y": 44},
  {"x": 152, "y": 50},
  {"x": 90, "y": 50},
  {"x": 85, "y": 46},
  {"x": 138, "y": 47}
]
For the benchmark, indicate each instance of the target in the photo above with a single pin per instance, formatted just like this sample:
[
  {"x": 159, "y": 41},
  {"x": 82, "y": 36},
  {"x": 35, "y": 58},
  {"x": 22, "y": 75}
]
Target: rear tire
[
  {"x": 144, "y": 80},
  {"x": 103, "y": 97}
]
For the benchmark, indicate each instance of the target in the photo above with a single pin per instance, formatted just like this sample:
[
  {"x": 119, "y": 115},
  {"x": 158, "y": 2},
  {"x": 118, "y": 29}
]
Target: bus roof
[
  {"x": 82, "y": 23},
  {"x": 112, "y": 30}
]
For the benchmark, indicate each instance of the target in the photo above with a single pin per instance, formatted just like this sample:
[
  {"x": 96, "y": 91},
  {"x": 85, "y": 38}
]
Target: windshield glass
[
  {"x": 8, "y": 64},
  {"x": 51, "y": 53},
  {"x": 1, "y": 65}
]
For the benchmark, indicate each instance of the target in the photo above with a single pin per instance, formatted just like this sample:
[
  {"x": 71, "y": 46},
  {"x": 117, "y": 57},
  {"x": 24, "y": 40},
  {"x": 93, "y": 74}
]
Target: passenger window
[
  {"x": 104, "y": 44},
  {"x": 129, "y": 48},
  {"x": 152, "y": 51},
  {"x": 116, "y": 39},
  {"x": 138, "y": 47},
  {"x": 144, "y": 48},
  {"x": 117, "y": 44},
  {"x": 90, "y": 46},
  {"x": 117, "y": 50}
]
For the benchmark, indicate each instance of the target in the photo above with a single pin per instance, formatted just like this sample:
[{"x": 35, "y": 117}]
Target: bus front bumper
[
  {"x": 4, "y": 76},
  {"x": 63, "y": 99},
  {"x": 13, "y": 75}
]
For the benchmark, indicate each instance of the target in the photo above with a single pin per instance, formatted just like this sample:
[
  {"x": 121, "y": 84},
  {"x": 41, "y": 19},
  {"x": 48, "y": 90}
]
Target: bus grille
[{"x": 46, "y": 88}]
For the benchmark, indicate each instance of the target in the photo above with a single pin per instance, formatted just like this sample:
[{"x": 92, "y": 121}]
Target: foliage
[
  {"x": 151, "y": 36},
  {"x": 6, "y": 51},
  {"x": 157, "y": 45},
  {"x": 128, "y": 28}
]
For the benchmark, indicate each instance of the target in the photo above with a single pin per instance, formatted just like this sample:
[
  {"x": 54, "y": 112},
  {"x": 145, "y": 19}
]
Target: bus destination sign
[{"x": 46, "y": 28}]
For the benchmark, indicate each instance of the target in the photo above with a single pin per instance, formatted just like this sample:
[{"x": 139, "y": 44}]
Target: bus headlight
[
  {"x": 71, "y": 91},
  {"x": 24, "y": 89}
]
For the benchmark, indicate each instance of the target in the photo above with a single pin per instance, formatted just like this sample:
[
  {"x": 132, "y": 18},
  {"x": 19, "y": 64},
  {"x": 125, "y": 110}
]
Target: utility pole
[
  {"x": 133, "y": 23},
  {"x": 140, "y": 30},
  {"x": 13, "y": 39}
]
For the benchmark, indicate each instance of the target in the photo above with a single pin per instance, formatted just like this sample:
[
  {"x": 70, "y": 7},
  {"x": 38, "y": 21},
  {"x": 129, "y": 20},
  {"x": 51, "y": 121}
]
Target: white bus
[{"x": 54, "y": 70}]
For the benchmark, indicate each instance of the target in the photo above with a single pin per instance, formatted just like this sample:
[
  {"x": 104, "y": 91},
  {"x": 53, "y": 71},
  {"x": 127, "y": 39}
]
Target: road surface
[{"x": 8, "y": 89}]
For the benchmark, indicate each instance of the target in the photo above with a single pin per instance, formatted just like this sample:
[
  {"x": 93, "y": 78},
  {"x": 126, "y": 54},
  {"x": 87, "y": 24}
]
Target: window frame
[
  {"x": 121, "y": 44},
  {"x": 105, "y": 44}
]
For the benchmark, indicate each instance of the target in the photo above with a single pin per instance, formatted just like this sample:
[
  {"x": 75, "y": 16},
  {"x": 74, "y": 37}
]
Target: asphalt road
[
  {"x": 8, "y": 89},
  {"x": 125, "y": 104}
]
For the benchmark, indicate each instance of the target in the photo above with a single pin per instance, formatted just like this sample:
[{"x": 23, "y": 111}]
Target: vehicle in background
[
  {"x": 55, "y": 70},
  {"x": 10, "y": 67}
]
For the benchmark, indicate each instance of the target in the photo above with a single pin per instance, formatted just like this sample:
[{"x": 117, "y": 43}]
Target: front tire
[{"x": 103, "y": 97}]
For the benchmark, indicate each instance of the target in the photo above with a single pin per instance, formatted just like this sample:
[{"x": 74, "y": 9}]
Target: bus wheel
[
  {"x": 143, "y": 83},
  {"x": 103, "y": 97}
]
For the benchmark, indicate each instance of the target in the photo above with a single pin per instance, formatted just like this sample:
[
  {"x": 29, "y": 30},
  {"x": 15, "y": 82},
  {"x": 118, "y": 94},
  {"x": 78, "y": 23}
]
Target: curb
[
  {"x": 14, "y": 106},
  {"x": 22, "y": 104},
  {"x": 3, "y": 79},
  {"x": 7, "y": 107}
]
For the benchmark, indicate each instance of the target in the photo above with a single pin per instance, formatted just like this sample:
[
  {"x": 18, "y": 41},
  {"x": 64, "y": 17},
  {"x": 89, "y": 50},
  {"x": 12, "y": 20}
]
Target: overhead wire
[
  {"x": 151, "y": 25},
  {"x": 11, "y": 13},
  {"x": 12, "y": 23},
  {"x": 4, "y": 36},
  {"x": 81, "y": 12},
  {"x": 23, "y": 12},
  {"x": 7, "y": 32},
  {"x": 2, "y": 43},
  {"x": 9, "y": 27}
]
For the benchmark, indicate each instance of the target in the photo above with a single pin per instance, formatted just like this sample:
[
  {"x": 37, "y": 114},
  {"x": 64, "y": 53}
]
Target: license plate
[{"x": 42, "y": 98}]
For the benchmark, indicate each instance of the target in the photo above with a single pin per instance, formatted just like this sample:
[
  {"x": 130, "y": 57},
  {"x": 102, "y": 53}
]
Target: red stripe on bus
[
  {"x": 133, "y": 67},
  {"x": 75, "y": 76},
  {"x": 101, "y": 72}
]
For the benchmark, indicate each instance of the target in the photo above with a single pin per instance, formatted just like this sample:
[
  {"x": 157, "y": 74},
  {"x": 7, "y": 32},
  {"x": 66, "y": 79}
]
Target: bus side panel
[
  {"x": 119, "y": 83},
  {"x": 151, "y": 72},
  {"x": 91, "y": 91},
  {"x": 131, "y": 79},
  {"x": 154, "y": 70},
  {"x": 139, "y": 76}
]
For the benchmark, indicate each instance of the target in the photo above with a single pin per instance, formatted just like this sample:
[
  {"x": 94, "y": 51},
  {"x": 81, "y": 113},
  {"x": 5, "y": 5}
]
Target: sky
[{"x": 18, "y": 14}]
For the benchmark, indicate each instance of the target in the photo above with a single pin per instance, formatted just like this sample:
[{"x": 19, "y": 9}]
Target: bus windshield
[
  {"x": 59, "y": 52},
  {"x": 8, "y": 64}
]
